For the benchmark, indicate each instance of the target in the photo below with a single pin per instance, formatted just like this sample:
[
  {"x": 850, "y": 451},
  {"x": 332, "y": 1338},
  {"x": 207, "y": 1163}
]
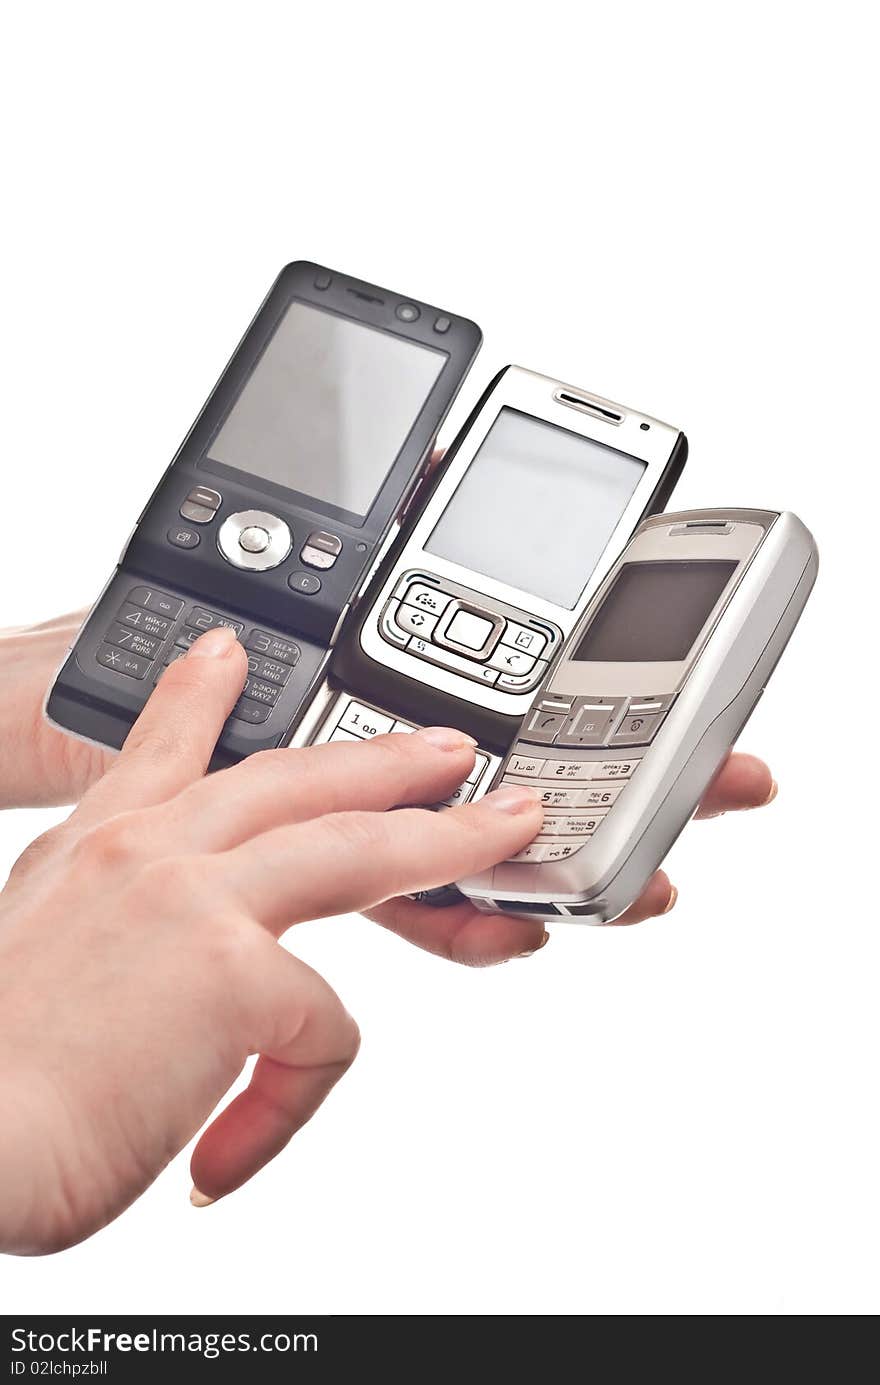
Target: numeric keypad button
[
  {"x": 364, "y": 723},
  {"x": 570, "y": 769},
  {"x": 135, "y": 641},
  {"x": 120, "y": 661},
  {"x": 203, "y": 620},
  {"x": 536, "y": 852},
  {"x": 614, "y": 769},
  {"x": 268, "y": 670},
  {"x": 525, "y": 765},
  {"x": 147, "y": 621},
  {"x": 273, "y": 646},
  {"x": 258, "y": 691},
  {"x": 570, "y": 825},
  {"x": 152, "y": 600}
]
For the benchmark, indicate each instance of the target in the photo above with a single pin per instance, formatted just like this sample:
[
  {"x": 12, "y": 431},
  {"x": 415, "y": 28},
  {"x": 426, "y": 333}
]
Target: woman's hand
[
  {"x": 40, "y": 766},
  {"x": 139, "y": 964}
]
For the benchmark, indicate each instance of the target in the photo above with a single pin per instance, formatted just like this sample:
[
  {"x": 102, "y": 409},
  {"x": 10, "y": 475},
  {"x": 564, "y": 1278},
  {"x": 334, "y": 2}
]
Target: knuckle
[
  {"x": 38, "y": 851},
  {"x": 155, "y": 742},
  {"x": 176, "y": 884},
  {"x": 108, "y": 844},
  {"x": 350, "y": 1041},
  {"x": 359, "y": 832}
]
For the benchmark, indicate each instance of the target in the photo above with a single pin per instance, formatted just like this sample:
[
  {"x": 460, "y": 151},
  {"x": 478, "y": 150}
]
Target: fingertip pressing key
[
  {"x": 446, "y": 738},
  {"x": 214, "y": 644},
  {"x": 512, "y": 798}
]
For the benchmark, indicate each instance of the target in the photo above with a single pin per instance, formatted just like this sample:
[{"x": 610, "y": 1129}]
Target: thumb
[{"x": 306, "y": 1039}]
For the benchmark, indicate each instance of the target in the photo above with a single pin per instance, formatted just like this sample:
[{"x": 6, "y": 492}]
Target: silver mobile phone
[
  {"x": 535, "y": 499},
  {"x": 650, "y": 694}
]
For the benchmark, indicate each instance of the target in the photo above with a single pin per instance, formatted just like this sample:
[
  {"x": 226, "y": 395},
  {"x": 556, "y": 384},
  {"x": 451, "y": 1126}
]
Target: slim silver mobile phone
[
  {"x": 537, "y": 496},
  {"x": 650, "y": 694}
]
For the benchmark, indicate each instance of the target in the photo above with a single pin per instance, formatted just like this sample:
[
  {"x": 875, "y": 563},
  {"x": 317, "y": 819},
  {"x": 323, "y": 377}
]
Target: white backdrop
[{"x": 673, "y": 206}]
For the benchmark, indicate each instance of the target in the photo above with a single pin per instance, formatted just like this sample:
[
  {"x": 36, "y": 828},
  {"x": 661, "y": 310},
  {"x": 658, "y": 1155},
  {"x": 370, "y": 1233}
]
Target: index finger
[
  {"x": 350, "y": 861},
  {"x": 171, "y": 743}
]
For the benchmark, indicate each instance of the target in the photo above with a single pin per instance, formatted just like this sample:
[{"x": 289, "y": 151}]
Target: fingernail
[
  {"x": 213, "y": 644},
  {"x": 670, "y": 903},
  {"x": 774, "y": 790},
  {"x": 446, "y": 738},
  {"x": 543, "y": 943},
  {"x": 199, "y": 1199},
  {"x": 512, "y": 798}
]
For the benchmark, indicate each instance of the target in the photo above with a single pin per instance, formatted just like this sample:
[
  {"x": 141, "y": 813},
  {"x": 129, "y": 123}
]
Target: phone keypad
[
  {"x": 577, "y": 782},
  {"x": 358, "y": 721},
  {"x": 151, "y": 630},
  {"x": 448, "y": 629}
]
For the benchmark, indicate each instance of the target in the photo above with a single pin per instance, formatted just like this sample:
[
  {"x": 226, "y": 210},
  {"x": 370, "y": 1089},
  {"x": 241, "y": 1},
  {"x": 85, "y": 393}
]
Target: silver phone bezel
[{"x": 535, "y": 395}]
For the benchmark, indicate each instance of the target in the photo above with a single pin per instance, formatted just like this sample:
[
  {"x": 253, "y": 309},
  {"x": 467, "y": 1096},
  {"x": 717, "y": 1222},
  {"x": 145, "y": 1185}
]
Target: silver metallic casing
[
  {"x": 543, "y": 398},
  {"x": 715, "y": 687}
]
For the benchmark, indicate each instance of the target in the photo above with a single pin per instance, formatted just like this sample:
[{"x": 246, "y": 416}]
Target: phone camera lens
[
  {"x": 644, "y": 427},
  {"x": 407, "y": 312}
]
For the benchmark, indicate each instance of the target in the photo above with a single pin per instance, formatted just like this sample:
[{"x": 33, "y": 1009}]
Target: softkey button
[
  {"x": 508, "y": 660},
  {"x": 159, "y": 602},
  {"x": 544, "y": 727},
  {"x": 254, "y": 712},
  {"x": 258, "y": 691},
  {"x": 126, "y": 637},
  {"x": 120, "y": 661},
  {"x": 522, "y": 638},
  {"x": 426, "y": 598},
  {"x": 144, "y": 620},
  {"x": 523, "y": 682},
  {"x": 204, "y": 495},
  {"x": 637, "y": 729},
  {"x": 321, "y": 550},
  {"x": 268, "y": 670},
  {"x": 195, "y": 513},
  {"x": 182, "y": 537},
  {"x": 416, "y": 621},
  {"x": 273, "y": 646}
]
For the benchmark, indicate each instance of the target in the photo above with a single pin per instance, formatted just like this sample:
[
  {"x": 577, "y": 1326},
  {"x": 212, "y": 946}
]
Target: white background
[{"x": 668, "y": 204}]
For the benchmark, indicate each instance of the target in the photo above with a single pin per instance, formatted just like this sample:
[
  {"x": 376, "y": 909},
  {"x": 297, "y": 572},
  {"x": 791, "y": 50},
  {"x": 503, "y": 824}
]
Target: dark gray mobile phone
[{"x": 276, "y": 505}]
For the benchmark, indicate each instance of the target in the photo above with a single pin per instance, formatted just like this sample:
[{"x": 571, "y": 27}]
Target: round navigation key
[
  {"x": 305, "y": 582},
  {"x": 183, "y": 538},
  {"x": 254, "y": 539}
]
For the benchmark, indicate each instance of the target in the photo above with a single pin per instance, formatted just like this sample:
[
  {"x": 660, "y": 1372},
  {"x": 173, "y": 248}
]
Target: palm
[{"x": 40, "y": 766}]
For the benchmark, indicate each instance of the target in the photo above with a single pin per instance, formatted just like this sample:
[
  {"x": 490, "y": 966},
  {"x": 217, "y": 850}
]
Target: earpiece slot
[{"x": 588, "y": 406}]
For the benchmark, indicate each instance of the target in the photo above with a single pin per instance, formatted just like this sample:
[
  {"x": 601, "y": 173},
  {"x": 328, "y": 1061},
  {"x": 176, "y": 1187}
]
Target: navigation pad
[{"x": 450, "y": 626}]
